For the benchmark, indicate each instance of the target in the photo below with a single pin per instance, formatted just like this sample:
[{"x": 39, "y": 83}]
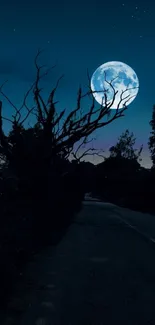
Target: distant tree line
[{"x": 121, "y": 179}]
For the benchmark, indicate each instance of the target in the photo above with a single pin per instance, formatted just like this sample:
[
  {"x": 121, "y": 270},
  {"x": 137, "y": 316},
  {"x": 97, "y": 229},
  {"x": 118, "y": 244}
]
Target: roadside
[
  {"x": 100, "y": 273},
  {"x": 142, "y": 222}
]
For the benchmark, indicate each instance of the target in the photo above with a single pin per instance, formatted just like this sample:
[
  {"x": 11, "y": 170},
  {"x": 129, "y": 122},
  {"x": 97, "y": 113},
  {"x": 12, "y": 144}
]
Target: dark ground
[{"x": 102, "y": 272}]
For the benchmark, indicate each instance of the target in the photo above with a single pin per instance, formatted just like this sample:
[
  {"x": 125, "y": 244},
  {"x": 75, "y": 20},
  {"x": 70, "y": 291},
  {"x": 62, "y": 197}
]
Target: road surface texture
[{"x": 101, "y": 273}]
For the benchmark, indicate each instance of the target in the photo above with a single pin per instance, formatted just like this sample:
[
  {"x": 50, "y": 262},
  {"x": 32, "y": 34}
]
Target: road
[{"x": 101, "y": 273}]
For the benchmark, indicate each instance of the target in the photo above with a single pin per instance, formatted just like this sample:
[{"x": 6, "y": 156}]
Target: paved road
[{"x": 101, "y": 273}]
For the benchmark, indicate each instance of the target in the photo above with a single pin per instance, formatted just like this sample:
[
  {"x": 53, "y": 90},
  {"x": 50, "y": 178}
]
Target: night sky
[{"x": 76, "y": 36}]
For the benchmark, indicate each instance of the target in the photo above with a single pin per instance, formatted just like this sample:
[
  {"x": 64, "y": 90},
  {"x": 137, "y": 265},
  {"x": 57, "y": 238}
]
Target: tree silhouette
[
  {"x": 59, "y": 134},
  {"x": 124, "y": 147},
  {"x": 151, "y": 142},
  {"x": 116, "y": 175}
]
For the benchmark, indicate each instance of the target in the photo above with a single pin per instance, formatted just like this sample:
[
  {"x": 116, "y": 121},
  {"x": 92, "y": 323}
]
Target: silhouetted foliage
[
  {"x": 118, "y": 174},
  {"x": 124, "y": 147},
  {"x": 40, "y": 188},
  {"x": 151, "y": 142}
]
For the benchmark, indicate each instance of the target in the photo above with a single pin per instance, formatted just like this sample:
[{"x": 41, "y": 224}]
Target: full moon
[{"x": 123, "y": 80}]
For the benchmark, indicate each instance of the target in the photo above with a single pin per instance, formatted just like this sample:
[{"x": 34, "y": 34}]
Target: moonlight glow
[{"x": 123, "y": 79}]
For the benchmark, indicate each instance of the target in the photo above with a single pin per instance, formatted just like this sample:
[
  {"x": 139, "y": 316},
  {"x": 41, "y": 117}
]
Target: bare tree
[{"x": 61, "y": 134}]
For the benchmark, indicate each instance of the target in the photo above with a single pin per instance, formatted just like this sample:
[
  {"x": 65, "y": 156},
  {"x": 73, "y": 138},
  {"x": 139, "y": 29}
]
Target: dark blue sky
[{"x": 77, "y": 36}]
